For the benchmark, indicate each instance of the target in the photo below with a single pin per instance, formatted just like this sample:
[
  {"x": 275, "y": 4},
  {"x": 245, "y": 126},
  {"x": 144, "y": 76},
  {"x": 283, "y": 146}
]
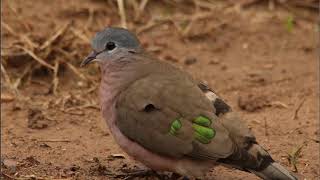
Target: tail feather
[
  {"x": 248, "y": 155},
  {"x": 257, "y": 160},
  {"x": 274, "y": 171}
]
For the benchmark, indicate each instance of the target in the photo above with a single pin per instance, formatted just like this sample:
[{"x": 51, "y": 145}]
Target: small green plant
[{"x": 290, "y": 23}]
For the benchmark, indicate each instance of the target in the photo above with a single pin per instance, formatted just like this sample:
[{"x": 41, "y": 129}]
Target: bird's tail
[
  {"x": 274, "y": 171},
  {"x": 257, "y": 160}
]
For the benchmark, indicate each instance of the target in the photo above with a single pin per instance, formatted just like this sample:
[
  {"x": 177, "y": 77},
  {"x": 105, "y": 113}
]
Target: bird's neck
[
  {"x": 118, "y": 75},
  {"x": 113, "y": 78}
]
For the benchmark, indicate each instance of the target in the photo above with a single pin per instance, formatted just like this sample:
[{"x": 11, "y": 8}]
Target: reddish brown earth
[{"x": 265, "y": 71}]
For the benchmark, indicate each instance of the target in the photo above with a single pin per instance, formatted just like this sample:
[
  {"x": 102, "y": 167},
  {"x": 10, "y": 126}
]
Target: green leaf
[
  {"x": 202, "y": 121},
  {"x": 290, "y": 23}
]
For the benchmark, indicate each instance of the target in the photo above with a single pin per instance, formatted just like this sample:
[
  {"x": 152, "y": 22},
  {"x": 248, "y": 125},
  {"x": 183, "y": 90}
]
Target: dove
[{"x": 167, "y": 120}]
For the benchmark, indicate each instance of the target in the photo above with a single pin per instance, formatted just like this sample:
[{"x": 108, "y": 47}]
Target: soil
[{"x": 262, "y": 64}]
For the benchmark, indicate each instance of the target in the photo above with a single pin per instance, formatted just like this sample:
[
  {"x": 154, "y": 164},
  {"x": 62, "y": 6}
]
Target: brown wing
[
  {"x": 229, "y": 119},
  {"x": 148, "y": 107}
]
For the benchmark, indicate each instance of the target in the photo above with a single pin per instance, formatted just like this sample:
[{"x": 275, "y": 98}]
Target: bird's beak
[{"x": 91, "y": 57}]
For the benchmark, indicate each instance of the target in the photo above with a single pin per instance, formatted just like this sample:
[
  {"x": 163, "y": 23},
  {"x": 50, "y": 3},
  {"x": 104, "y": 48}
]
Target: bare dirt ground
[{"x": 261, "y": 59}]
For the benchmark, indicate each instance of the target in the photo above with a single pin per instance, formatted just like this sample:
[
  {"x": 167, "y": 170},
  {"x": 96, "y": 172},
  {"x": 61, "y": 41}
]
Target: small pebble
[
  {"x": 190, "y": 60},
  {"x": 214, "y": 61},
  {"x": 245, "y": 45},
  {"x": 224, "y": 67}
]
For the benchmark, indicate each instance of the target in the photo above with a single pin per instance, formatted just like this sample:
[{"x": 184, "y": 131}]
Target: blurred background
[{"x": 261, "y": 56}]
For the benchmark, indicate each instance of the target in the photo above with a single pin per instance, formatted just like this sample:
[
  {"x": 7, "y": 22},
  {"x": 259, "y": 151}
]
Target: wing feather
[{"x": 169, "y": 98}]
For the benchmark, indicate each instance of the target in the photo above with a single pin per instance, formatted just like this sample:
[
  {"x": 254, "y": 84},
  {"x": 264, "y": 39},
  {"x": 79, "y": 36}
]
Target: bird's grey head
[{"x": 110, "y": 43}]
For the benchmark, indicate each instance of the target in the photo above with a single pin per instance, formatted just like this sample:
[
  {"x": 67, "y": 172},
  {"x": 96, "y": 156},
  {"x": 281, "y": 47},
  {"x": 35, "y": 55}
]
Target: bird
[{"x": 164, "y": 118}]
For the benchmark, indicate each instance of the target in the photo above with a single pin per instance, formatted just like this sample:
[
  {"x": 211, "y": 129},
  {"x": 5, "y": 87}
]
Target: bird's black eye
[{"x": 110, "y": 46}]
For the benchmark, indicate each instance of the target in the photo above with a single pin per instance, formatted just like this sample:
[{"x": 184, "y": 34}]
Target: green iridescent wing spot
[
  {"x": 203, "y": 134},
  {"x": 175, "y": 126},
  {"x": 202, "y": 121}
]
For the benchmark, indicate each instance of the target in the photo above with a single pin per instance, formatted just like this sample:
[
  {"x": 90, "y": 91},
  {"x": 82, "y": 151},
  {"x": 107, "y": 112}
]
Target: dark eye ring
[{"x": 110, "y": 46}]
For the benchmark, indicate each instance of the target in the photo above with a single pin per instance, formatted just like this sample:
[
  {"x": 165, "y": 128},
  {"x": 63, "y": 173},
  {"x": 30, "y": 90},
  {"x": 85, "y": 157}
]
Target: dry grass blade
[
  {"x": 296, "y": 13},
  {"x": 247, "y": 3},
  {"x": 80, "y": 35},
  {"x": 60, "y": 31},
  {"x": 12, "y": 54},
  {"x": 135, "y": 6},
  {"x": 37, "y": 58},
  {"x": 72, "y": 67},
  {"x": 304, "y": 4},
  {"x": 89, "y": 105},
  {"x": 76, "y": 71},
  {"x": 204, "y": 4},
  {"x": 8, "y": 79},
  {"x": 54, "y": 140},
  {"x": 22, "y": 37},
  {"x": 186, "y": 30},
  {"x": 122, "y": 13},
  {"x": 90, "y": 90},
  {"x": 90, "y": 18},
  {"x": 293, "y": 157},
  {"x": 140, "y": 9},
  {"x": 152, "y": 23},
  {"x": 5, "y": 74},
  {"x": 24, "y": 73},
  {"x": 271, "y": 5},
  {"x": 295, "y": 115},
  {"x": 68, "y": 55},
  {"x": 143, "y": 5},
  {"x": 266, "y": 132},
  {"x": 20, "y": 19},
  {"x": 55, "y": 80},
  {"x": 279, "y": 104}
]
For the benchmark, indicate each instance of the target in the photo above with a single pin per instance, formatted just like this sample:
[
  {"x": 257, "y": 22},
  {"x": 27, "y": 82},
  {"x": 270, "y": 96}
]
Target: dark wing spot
[
  {"x": 220, "y": 106},
  {"x": 149, "y": 108}
]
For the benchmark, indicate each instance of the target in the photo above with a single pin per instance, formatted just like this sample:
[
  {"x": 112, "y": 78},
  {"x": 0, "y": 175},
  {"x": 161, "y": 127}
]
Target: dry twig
[
  {"x": 266, "y": 132},
  {"x": 122, "y": 13},
  {"x": 20, "y": 19},
  {"x": 76, "y": 71},
  {"x": 23, "y": 38},
  {"x": 35, "y": 57},
  {"x": 72, "y": 68},
  {"x": 55, "y": 80},
  {"x": 186, "y": 30},
  {"x": 89, "y": 105},
  {"x": 93, "y": 88},
  {"x": 295, "y": 115},
  {"x": 60, "y": 31},
  {"x": 24, "y": 73},
  {"x": 12, "y": 54},
  {"x": 278, "y": 103},
  {"x": 80, "y": 35},
  {"x": 140, "y": 9},
  {"x": 90, "y": 18},
  {"x": 8, "y": 79},
  {"x": 72, "y": 112},
  {"x": 6, "y": 76},
  {"x": 54, "y": 140},
  {"x": 152, "y": 23}
]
